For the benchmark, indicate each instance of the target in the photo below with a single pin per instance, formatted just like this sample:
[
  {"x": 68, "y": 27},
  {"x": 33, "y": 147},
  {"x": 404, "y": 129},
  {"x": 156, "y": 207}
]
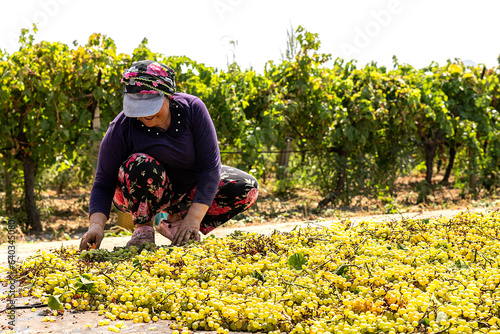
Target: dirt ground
[
  {"x": 27, "y": 321},
  {"x": 64, "y": 215}
]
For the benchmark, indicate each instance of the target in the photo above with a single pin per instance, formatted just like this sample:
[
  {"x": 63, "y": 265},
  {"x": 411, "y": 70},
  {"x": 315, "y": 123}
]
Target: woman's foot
[
  {"x": 142, "y": 234},
  {"x": 168, "y": 229}
]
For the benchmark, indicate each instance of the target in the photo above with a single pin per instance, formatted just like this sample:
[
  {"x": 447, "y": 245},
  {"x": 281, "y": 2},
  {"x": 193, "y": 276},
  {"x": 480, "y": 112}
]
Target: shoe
[
  {"x": 168, "y": 229},
  {"x": 142, "y": 234}
]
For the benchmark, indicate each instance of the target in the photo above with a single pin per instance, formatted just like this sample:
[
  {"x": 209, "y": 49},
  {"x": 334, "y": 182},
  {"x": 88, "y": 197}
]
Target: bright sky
[{"x": 416, "y": 31}]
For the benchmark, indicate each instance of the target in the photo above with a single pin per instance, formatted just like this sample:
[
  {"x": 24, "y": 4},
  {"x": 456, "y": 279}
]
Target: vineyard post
[
  {"x": 96, "y": 127},
  {"x": 284, "y": 159}
]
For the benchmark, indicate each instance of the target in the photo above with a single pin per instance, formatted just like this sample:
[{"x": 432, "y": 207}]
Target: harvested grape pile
[{"x": 408, "y": 276}]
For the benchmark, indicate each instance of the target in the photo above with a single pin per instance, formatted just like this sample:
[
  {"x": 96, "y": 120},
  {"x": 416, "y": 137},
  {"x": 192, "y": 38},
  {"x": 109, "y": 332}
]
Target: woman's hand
[
  {"x": 95, "y": 234},
  {"x": 190, "y": 225},
  {"x": 188, "y": 229}
]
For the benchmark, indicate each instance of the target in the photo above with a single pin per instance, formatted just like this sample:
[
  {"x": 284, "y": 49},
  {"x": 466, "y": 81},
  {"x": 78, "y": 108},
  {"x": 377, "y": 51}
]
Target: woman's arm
[
  {"x": 207, "y": 153},
  {"x": 113, "y": 151},
  {"x": 208, "y": 161}
]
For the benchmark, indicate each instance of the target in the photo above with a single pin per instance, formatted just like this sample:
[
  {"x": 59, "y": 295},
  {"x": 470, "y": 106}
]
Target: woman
[{"x": 161, "y": 154}]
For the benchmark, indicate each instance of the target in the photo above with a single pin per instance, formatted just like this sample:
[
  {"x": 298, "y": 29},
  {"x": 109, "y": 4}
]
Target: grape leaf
[
  {"x": 54, "y": 302},
  {"x": 297, "y": 260}
]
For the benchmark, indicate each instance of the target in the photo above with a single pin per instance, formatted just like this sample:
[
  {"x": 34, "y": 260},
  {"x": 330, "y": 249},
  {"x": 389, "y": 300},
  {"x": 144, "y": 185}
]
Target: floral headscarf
[{"x": 149, "y": 77}]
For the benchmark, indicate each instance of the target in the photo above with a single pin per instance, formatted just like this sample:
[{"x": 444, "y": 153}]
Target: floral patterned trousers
[{"x": 144, "y": 190}]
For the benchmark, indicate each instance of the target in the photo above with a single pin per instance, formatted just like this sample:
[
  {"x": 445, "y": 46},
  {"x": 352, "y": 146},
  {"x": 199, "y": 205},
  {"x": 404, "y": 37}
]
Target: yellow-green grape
[{"x": 415, "y": 275}]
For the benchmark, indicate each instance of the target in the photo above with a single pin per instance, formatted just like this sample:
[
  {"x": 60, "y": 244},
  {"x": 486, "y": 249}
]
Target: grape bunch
[{"x": 436, "y": 275}]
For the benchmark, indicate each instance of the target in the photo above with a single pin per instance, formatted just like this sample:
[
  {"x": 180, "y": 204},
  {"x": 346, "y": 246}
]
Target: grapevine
[{"x": 436, "y": 275}]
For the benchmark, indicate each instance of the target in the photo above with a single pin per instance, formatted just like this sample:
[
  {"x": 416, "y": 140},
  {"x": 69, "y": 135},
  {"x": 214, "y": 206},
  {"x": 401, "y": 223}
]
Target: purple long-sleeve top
[{"x": 188, "y": 151}]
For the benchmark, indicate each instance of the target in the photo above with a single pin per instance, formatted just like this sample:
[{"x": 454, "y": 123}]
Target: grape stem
[{"x": 443, "y": 330}]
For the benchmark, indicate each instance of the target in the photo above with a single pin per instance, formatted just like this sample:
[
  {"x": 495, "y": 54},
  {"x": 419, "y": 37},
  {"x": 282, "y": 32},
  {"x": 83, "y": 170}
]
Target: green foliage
[
  {"x": 55, "y": 303},
  {"x": 49, "y": 95},
  {"x": 65, "y": 174}
]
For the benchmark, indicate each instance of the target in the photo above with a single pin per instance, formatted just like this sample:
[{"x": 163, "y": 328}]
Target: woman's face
[{"x": 161, "y": 119}]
